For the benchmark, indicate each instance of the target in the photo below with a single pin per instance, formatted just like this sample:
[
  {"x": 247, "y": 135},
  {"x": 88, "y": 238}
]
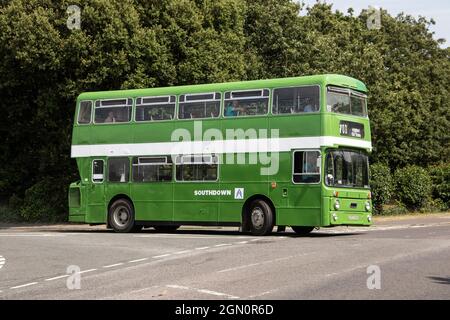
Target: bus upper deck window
[
  {"x": 346, "y": 101},
  {"x": 199, "y": 105},
  {"x": 84, "y": 112},
  {"x": 246, "y": 103},
  {"x": 113, "y": 110},
  {"x": 156, "y": 108},
  {"x": 296, "y": 100}
]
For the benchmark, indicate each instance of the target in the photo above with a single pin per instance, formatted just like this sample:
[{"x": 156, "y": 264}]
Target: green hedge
[
  {"x": 413, "y": 187},
  {"x": 382, "y": 186},
  {"x": 44, "y": 201},
  {"x": 440, "y": 176}
]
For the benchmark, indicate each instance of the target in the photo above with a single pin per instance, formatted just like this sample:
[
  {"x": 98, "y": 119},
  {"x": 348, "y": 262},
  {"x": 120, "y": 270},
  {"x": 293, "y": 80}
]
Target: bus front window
[
  {"x": 346, "y": 101},
  {"x": 348, "y": 169}
]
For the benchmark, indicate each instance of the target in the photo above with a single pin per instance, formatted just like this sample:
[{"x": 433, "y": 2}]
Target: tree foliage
[
  {"x": 137, "y": 44},
  {"x": 413, "y": 186},
  {"x": 381, "y": 185}
]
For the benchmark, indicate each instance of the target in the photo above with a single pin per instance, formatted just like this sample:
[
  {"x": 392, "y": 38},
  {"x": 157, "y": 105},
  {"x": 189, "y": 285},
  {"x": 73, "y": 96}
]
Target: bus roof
[{"x": 325, "y": 79}]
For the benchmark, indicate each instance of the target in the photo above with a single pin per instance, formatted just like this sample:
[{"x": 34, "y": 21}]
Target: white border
[{"x": 216, "y": 146}]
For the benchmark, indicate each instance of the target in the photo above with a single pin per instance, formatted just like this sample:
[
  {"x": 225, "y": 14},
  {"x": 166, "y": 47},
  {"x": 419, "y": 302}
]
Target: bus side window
[
  {"x": 192, "y": 168},
  {"x": 113, "y": 110},
  {"x": 199, "y": 105},
  {"x": 306, "y": 167},
  {"x": 97, "y": 171},
  {"x": 296, "y": 100},
  {"x": 84, "y": 113},
  {"x": 246, "y": 103},
  {"x": 152, "y": 169},
  {"x": 118, "y": 169}
]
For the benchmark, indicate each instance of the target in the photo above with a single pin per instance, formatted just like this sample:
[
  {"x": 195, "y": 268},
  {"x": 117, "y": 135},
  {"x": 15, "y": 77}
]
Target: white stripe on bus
[{"x": 216, "y": 146}]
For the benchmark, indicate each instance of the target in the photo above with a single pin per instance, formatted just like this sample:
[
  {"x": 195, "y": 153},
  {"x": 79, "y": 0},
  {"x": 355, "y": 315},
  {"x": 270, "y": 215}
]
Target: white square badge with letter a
[{"x": 239, "y": 193}]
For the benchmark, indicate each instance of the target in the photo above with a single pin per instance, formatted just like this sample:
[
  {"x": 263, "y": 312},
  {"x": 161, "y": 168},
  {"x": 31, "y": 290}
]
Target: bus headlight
[
  {"x": 367, "y": 206},
  {"x": 337, "y": 205}
]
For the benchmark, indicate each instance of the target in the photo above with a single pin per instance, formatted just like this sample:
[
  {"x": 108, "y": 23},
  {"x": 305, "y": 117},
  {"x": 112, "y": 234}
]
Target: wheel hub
[
  {"x": 258, "y": 218},
  {"x": 121, "y": 216}
]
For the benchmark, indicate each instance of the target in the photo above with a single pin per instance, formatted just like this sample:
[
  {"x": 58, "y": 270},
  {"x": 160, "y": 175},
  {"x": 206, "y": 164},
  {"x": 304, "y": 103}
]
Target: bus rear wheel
[
  {"x": 171, "y": 228},
  {"x": 121, "y": 217},
  {"x": 302, "y": 231},
  {"x": 260, "y": 217}
]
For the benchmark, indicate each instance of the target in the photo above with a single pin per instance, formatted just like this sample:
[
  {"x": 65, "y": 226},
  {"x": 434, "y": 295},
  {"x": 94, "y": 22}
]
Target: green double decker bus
[{"x": 255, "y": 154}]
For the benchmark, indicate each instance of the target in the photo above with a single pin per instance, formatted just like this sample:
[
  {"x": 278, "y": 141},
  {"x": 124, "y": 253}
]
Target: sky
[{"x": 439, "y": 10}]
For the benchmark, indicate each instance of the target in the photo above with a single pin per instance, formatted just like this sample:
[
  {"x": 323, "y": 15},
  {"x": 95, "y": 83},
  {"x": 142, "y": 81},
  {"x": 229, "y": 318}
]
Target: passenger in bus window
[
  {"x": 309, "y": 106},
  {"x": 233, "y": 109},
  {"x": 110, "y": 117}
]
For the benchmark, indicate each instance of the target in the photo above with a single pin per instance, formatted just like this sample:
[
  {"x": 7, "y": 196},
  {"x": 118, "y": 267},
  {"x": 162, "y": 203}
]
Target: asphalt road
[{"x": 412, "y": 257}]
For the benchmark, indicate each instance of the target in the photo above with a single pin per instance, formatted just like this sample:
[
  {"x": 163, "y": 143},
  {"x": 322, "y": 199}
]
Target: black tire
[
  {"x": 302, "y": 231},
  {"x": 171, "y": 228},
  {"x": 260, "y": 218},
  {"x": 121, "y": 217}
]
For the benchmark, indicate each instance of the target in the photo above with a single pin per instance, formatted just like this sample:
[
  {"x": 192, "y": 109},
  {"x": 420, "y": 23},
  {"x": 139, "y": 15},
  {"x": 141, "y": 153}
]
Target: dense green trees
[{"x": 136, "y": 44}]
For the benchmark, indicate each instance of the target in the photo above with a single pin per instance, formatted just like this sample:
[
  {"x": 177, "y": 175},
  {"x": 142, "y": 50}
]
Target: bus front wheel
[
  {"x": 260, "y": 218},
  {"x": 302, "y": 231},
  {"x": 121, "y": 217}
]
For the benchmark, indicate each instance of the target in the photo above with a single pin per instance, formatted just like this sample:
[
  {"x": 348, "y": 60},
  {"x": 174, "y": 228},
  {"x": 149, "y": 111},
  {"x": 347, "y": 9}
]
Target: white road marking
[
  {"x": 144, "y": 289},
  {"x": 127, "y": 294},
  {"x": 56, "y": 278},
  {"x": 242, "y": 242},
  {"x": 381, "y": 228},
  {"x": 240, "y": 267},
  {"x": 113, "y": 265},
  {"x": 255, "y": 240},
  {"x": 24, "y": 285},
  {"x": 262, "y": 294},
  {"x": 181, "y": 252},
  {"x": 137, "y": 260},
  {"x": 202, "y": 248},
  {"x": 215, "y": 293},
  {"x": 177, "y": 287},
  {"x": 161, "y": 256},
  {"x": 186, "y": 237},
  {"x": 31, "y": 235},
  {"x": 86, "y": 271},
  {"x": 210, "y": 292},
  {"x": 222, "y": 245}
]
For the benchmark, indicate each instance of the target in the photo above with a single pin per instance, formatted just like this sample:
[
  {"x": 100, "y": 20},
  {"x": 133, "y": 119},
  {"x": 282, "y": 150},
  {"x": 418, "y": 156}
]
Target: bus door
[
  {"x": 196, "y": 190},
  {"x": 304, "y": 194},
  {"x": 96, "y": 192},
  {"x": 152, "y": 188}
]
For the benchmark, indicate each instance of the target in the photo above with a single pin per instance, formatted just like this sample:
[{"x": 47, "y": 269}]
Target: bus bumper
[{"x": 348, "y": 218}]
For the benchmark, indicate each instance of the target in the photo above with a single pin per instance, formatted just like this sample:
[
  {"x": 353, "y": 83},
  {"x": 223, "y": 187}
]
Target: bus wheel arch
[
  {"x": 246, "y": 223},
  {"x": 127, "y": 203}
]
